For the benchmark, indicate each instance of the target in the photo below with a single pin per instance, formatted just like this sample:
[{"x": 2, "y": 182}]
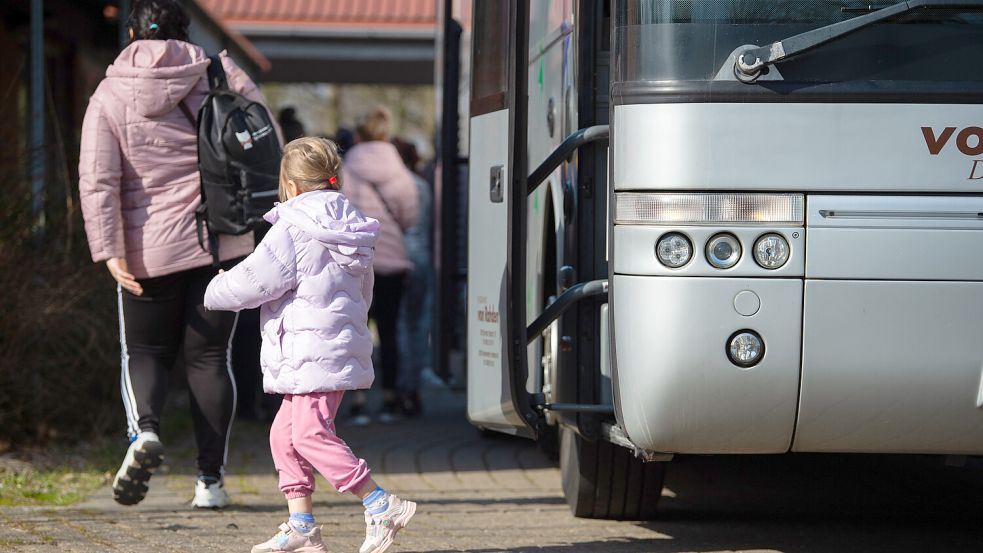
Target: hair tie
[
  {"x": 154, "y": 27},
  {"x": 332, "y": 180}
]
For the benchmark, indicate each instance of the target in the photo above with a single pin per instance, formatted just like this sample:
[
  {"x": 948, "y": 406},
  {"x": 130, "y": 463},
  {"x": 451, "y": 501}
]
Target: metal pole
[
  {"x": 124, "y": 30},
  {"x": 38, "y": 156}
]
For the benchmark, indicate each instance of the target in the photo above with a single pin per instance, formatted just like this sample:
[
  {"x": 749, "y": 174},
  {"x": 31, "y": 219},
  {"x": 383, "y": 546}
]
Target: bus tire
[
  {"x": 606, "y": 481},
  {"x": 549, "y": 443}
]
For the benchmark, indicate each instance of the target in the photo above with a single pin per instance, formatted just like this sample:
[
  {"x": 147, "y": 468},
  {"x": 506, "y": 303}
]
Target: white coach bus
[{"x": 724, "y": 227}]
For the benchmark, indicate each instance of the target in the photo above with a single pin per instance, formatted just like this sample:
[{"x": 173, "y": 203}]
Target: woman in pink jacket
[
  {"x": 139, "y": 188},
  {"x": 381, "y": 186},
  {"x": 312, "y": 278}
]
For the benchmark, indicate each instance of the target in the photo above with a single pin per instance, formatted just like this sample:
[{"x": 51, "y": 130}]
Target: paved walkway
[{"x": 484, "y": 495}]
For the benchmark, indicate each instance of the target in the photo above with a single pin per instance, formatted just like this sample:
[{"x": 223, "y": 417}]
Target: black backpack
[{"x": 238, "y": 158}]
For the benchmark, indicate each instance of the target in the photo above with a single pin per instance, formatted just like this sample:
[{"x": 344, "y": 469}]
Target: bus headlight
[
  {"x": 673, "y": 250},
  {"x": 723, "y": 251},
  {"x": 771, "y": 251},
  {"x": 745, "y": 348}
]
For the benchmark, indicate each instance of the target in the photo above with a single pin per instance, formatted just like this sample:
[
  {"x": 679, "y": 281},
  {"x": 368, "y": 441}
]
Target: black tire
[
  {"x": 549, "y": 443},
  {"x": 603, "y": 480}
]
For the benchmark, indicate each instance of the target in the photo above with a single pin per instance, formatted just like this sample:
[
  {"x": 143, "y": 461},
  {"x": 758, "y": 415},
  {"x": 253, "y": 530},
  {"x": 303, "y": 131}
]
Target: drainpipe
[{"x": 38, "y": 156}]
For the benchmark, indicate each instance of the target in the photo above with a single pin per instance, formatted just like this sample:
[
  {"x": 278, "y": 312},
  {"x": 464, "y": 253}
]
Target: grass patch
[{"x": 57, "y": 476}]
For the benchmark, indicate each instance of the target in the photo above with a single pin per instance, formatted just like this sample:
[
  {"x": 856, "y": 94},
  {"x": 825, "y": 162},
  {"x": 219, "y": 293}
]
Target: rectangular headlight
[{"x": 658, "y": 208}]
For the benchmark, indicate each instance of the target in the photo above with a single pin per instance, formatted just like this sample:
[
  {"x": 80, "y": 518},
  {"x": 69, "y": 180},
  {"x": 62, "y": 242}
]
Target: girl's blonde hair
[{"x": 312, "y": 164}]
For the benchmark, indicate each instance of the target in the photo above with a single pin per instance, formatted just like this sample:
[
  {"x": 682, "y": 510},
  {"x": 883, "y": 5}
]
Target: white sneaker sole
[
  {"x": 130, "y": 484},
  {"x": 213, "y": 503},
  {"x": 398, "y": 524}
]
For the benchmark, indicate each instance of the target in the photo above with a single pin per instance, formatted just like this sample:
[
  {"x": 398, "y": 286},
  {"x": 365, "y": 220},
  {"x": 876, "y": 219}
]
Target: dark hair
[
  {"x": 291, "y": 127},
  {"x": 407, "y": 151},
  {"x": 345, "y": 139},
  {"x": 158, "y": 20}
]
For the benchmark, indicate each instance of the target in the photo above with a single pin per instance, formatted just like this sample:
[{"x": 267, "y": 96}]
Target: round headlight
[
  {"x": 745, "y": 348},
  {"x": 673, "y": 250},
  {"x": 723, "y": 251},
  {"x": 771, "y": 251}
]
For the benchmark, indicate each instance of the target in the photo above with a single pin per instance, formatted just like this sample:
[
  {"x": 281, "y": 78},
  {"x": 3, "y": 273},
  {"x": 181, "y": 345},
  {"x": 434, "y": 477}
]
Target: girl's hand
[{"x": 117, "y": 268}]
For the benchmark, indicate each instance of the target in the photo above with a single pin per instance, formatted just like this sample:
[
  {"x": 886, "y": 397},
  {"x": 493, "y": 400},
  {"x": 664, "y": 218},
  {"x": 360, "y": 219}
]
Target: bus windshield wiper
[{"x": 749, "y": 65}]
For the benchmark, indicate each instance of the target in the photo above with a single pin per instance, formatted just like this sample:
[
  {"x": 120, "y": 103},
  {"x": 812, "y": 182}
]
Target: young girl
[{"x": 312, "y": 275}]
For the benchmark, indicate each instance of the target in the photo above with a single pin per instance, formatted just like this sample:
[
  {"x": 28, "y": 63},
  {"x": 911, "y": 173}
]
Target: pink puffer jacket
[
  {"x": 392, "y": 200},
  {"x": 138, "y": 167},
  {"x": 312, "y": 275}
]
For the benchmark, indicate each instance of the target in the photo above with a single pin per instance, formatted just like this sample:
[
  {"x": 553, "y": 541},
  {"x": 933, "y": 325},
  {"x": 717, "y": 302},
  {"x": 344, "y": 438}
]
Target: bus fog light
[
  {"x": 771, "y": 251},
  {"x": 745, "y": 348},
  {"x": 723, "y": 251},
  {"x": 674, "y": 250}
]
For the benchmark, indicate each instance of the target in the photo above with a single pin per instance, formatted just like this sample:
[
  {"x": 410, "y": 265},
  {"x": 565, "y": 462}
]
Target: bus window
[
  {"x": 688, "y": 40},
  {"x": 490, "y": 56}
]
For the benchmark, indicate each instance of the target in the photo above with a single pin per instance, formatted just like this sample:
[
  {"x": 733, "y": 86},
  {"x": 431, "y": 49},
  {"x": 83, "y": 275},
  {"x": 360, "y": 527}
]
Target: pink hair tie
[{"x": 333, "y": 180}]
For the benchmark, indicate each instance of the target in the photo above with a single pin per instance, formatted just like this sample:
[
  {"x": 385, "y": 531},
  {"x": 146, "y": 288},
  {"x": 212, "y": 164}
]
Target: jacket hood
[
  {"x": 153, "y": 76},
  {"x": 375, "y": 161},
  {"x": 329, "y": 218}
]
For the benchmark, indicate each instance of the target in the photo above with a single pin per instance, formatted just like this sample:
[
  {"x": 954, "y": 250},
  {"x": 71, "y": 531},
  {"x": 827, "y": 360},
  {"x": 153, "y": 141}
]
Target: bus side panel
[
  {"x": 679, "y": 392},
  {"x": 775, "y": 146},
  {"x": 488, "y": 222},
  {"x": 893, "y": 348},
  {"x": 892, "y": 367}
]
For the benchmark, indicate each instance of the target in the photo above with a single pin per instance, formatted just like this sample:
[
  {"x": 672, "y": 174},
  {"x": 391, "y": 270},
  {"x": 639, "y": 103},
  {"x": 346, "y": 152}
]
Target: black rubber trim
[{"x": 852, "y": 92}]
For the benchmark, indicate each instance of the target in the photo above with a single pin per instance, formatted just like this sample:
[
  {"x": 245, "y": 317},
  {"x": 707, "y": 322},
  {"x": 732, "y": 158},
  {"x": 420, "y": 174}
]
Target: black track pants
[
  {"x": 153, "y": 328},
  {"x": 386, "y": 295}
]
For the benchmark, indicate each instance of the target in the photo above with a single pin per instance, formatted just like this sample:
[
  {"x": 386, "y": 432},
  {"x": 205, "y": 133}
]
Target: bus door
[{"x": 496, "y": 362}]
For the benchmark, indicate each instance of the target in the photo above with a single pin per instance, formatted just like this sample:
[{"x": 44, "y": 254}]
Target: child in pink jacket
[{"x": 312, "y": 276}]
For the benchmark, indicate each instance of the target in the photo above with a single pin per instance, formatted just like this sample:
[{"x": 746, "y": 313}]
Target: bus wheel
[{"x": 603, "y": 480}]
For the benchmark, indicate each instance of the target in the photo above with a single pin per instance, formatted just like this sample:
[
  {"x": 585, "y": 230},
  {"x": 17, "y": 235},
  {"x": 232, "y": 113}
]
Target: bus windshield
[{"x": 690, "y": 40}]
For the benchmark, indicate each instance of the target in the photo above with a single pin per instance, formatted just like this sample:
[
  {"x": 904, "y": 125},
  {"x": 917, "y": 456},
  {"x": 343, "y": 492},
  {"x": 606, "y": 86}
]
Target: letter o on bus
[{"x": 962, "y": 141}]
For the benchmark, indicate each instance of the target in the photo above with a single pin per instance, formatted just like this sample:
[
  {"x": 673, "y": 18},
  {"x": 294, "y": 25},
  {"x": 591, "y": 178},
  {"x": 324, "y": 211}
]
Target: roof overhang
[
  {"x": 238, "y": 46},
  {"x": 377, "y": 55}
]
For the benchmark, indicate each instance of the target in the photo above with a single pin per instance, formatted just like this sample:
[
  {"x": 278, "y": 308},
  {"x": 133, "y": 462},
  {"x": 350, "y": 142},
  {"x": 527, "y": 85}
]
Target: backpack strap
[
  {"x": 385, "y": 204},
  {"x": 201, "y": 223},
  {"x": 187, "y": 114},
  {"x": 216, "y": 74},
  {"x": 217, "y": 80}
]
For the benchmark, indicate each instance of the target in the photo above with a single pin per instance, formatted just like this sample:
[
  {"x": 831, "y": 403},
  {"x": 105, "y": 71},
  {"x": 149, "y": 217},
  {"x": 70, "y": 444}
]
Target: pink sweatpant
[{"x": 303, "y": 438}]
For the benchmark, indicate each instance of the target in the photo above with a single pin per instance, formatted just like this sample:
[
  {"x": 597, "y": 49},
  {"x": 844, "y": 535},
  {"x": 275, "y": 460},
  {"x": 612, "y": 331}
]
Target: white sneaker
[
  {"x": 380, "y": 530},
  {"x": 210, "y": 494},
  {"x": 292, "y": 540},
  {"x": 145, "y": 454}
]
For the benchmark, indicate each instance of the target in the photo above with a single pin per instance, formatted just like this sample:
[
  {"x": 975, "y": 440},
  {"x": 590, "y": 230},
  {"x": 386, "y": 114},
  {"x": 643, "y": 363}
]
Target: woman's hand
[{"x": 117, "y": 268}]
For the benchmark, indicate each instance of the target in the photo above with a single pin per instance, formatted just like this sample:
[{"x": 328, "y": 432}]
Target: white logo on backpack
[{"x": 245, "y": 139}]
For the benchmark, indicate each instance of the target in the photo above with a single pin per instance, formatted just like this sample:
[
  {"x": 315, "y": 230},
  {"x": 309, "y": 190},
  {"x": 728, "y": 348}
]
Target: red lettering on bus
[
  {"x": 977, "y": 164},
  {"x": 962, "y": 141},
  {"x": 934, "y": 144}
]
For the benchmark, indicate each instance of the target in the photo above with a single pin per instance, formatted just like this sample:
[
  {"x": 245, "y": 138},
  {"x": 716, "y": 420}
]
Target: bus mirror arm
[
  {"x": 563, "y": 152},
  {"x": 752, "y": 62}
]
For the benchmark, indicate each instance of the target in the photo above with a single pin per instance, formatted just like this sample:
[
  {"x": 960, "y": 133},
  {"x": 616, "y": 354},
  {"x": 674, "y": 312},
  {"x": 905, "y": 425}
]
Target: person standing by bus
[
  {"x": 415, "y": 313},
  {"x": 379, "y": 185},
  {"x": 139, "y": 188}
]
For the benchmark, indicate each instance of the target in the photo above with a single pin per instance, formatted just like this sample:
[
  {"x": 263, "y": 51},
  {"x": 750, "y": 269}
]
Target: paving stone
[{"x": 485, "y": 495}]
